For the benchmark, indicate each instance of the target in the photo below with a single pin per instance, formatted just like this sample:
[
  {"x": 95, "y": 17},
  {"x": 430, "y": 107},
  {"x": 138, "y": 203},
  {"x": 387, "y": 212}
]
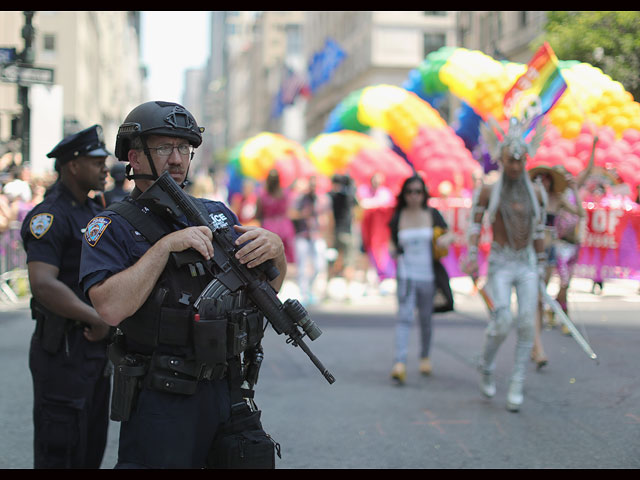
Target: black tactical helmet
[{"x": 157, "y": 118}]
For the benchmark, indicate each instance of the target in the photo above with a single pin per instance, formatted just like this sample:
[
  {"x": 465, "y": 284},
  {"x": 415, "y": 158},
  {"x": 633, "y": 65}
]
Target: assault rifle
[{"x": 285, "y": 317}]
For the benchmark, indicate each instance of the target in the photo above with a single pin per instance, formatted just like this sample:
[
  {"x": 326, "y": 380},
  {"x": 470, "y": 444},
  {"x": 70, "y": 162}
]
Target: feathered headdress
[{"x": 514, "y": 138}]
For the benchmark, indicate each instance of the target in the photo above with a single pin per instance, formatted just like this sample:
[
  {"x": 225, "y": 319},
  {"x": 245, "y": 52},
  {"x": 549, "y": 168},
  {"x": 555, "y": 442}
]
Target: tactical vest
[{"x": 223, "y": 325}]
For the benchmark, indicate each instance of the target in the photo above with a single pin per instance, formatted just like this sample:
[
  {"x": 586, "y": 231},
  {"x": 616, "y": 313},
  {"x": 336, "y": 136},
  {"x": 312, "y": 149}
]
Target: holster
[
  {"x": 129, "y": 370},
  {"x": 50, "y": 328}
]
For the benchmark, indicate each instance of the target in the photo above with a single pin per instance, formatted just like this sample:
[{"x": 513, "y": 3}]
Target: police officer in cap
[
  {"x": 118, "y": 192},
  {"x": 68, "y": 354},
  {"x": 143, "y": 270}
]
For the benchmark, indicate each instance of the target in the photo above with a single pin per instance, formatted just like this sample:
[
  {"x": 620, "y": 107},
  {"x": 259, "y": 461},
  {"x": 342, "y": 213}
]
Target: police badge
[
  {"x": 95, "y": 229},
  {"x": 40, "y": 224}
]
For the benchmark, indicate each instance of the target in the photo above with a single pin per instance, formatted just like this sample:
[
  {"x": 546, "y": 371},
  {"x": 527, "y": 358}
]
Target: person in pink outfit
[{"x": 272, "y": 211}]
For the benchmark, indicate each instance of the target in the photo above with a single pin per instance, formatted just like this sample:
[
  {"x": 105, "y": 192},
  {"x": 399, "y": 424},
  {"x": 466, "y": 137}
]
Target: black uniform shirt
[
  {"x": 111, "y": 244},
  {"x": 53, "y": 231}
]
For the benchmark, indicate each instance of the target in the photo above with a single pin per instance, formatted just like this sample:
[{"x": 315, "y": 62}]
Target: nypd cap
[{"x": 88, "y": 143}]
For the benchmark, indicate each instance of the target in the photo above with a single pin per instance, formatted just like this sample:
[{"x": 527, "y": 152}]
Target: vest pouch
[
  {"x": 210, "y": 340},
  {"x": 245, "y": 330},
  {"x": 255, "y": 327},
  {"x": 174, "y": 326},
  {"x": 236, "y": 339}
]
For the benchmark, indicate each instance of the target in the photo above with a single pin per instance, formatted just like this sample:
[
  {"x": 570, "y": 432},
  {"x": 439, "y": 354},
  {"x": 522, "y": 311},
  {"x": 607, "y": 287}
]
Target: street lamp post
[{"x": 26, "y": 58}]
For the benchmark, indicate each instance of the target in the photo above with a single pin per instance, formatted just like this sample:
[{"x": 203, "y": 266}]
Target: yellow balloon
[{"x": 377, "y": 100}]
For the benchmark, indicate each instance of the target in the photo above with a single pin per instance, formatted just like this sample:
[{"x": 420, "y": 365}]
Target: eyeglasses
[
  {"x": 165, "y": 151},
  {"x": 409, "y": 191}
]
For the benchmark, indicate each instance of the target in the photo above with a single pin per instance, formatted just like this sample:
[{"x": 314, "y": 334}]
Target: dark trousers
[
  {"x": 71, "y": 403},
  {"x": 170, "y": 430}
]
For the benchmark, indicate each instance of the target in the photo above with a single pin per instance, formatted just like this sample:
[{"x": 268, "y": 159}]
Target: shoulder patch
[
  {"x": 95, "y": 229},
  {"x": 40, "y": 224}
]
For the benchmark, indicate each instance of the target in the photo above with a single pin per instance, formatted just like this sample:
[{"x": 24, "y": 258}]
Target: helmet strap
[
  {"x": 145, "y": 149},
  {"x": 185, "y": 182},
  {"x": 143, "y": 176}
]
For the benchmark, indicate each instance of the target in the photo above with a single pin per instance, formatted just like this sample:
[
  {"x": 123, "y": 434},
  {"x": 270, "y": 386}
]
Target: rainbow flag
[{"x": 536, "y": 90}]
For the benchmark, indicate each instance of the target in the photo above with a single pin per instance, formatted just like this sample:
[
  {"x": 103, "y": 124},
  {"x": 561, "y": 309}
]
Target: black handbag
[{"x": 243, "y": 443}]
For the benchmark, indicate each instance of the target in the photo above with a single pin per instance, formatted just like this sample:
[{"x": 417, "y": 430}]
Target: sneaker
[
  {"x": 399, "y": 373},
  {"x": 487, "y": 384},
  {"x": 514, "y": 396},
  {"x": 425, "y": 366}
]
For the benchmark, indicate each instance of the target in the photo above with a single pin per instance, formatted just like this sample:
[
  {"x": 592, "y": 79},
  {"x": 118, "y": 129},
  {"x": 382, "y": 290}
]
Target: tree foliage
[{"x": 609, "y": 40}]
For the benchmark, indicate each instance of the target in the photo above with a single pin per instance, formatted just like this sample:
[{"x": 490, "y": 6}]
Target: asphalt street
[{"x": 578, "y": 413}]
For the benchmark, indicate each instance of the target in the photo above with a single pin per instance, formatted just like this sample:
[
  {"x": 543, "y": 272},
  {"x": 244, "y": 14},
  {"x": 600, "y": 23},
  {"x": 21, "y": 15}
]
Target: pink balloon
[
  {"x": 600, "y": 155},
  {"x": 566, "y": 145},
  {"x": 631, "y": 135},
  {"x": 632, "y": 160},
  {"x": 613, "y": 155},
  {"x": 584, "y": 142},
  {"x": 556, "y": 156},
  {"x": 573, "y": 164},
  {"x": 542, "y": 153},
  {"x": 623, "y": 147}
]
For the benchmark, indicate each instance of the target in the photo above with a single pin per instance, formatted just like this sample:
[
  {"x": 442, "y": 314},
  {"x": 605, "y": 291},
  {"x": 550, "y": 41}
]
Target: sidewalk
[
  {"x": 361, "y": 298},
  {"x": 358, "y": 297}
]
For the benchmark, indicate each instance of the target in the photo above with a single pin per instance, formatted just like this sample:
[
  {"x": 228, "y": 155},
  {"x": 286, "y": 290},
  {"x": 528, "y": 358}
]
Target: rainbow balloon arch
[
  {"x": 593, "y": 104},
  {"x": 254, "y": 157},
  {"x": 422, "y": 142}
]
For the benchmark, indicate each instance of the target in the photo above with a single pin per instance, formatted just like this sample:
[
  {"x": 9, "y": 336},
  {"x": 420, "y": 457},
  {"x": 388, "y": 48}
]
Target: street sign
[
  {"x": 7, "y": 55},
  {"x": 26, "y": 76}
]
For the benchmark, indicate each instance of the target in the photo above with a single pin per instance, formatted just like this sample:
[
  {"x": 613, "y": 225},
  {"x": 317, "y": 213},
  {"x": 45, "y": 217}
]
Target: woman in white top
[{"x": 412, "y": 232}]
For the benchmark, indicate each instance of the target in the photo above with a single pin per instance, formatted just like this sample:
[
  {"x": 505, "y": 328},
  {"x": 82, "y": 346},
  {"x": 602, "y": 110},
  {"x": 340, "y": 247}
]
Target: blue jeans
[
  {"x": 414, "y": 294},
  {"x": 309, "y": 255},
  {"x": 510, "y": 269}
]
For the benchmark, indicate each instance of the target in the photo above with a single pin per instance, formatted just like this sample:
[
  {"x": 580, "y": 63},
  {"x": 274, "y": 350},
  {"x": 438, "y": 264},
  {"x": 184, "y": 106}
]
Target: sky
[{"x": 172, "y": 42}]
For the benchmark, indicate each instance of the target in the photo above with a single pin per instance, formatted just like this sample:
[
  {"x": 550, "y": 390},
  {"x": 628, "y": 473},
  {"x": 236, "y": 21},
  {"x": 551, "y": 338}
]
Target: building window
[
  {"x": 294, "y": 39},
  {"x": 49, "y": 42},
  {"x": 432, "y": 42},
  {"x": 523, "y": 18}
]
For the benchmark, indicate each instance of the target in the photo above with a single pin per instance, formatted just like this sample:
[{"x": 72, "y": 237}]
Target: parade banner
[{"x": 610, "y": 236}]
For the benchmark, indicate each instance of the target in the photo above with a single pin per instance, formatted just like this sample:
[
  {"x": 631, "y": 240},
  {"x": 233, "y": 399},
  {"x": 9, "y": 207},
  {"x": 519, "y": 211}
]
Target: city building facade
[
  {"x": 255, "y": 56},
  {"x": 95, "y": 56}
]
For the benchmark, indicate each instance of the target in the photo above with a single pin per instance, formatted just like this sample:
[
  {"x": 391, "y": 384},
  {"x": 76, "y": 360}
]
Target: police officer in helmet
[
  {"x": 143, "y": 269},
  {"x": 68, "y": 354}
]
